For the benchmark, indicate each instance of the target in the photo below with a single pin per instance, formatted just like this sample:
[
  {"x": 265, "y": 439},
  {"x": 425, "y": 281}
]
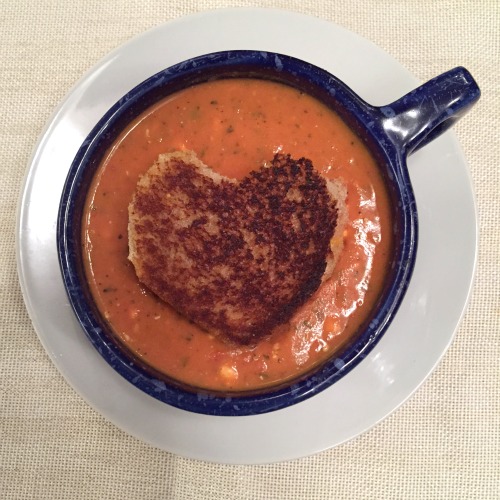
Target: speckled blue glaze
[{"x": 391, "y": 132}]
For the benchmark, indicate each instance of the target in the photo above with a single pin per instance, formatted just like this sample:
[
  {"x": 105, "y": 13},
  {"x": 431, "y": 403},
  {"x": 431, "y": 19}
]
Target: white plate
[{"x": 411, "y": 348}]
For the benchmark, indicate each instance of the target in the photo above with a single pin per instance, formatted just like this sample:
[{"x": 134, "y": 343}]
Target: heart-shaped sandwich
[{"x": 235, "y": 257}]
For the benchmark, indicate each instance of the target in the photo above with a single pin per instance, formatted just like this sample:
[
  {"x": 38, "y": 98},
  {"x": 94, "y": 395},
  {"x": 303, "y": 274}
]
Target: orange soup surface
[{"x": 234, "y": 126}]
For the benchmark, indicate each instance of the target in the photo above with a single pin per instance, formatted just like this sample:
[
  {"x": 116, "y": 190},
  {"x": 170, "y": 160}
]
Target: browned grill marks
[{"x": 237, "y": 258}]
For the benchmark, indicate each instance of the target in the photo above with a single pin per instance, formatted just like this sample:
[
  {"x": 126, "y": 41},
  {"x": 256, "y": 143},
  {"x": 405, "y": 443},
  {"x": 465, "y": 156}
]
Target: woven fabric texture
[{"x": 443, "y": 443}]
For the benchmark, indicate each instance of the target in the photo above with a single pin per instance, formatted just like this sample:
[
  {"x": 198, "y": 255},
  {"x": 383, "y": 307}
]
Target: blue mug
[{"x": 390, "y": 132}]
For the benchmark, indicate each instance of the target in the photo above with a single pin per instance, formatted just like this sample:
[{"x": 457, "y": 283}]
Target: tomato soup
[{"x": 234, "y": 125}]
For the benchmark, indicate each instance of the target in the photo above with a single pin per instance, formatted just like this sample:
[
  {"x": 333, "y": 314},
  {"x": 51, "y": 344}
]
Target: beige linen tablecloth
[{"x": 442, "y": 444}]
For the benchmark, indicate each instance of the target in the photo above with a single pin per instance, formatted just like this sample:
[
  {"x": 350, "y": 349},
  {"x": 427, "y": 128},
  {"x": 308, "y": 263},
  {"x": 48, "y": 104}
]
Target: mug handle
[{"x": 426, "y": 112}]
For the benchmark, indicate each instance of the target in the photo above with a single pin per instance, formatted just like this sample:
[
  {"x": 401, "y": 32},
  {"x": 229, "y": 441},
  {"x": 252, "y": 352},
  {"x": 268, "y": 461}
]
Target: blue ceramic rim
[{"x": 363, "y": 118}]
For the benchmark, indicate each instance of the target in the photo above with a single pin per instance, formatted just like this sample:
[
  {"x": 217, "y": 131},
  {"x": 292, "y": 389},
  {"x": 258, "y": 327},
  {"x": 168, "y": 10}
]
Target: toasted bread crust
[{"x": 236, "y": 258}]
